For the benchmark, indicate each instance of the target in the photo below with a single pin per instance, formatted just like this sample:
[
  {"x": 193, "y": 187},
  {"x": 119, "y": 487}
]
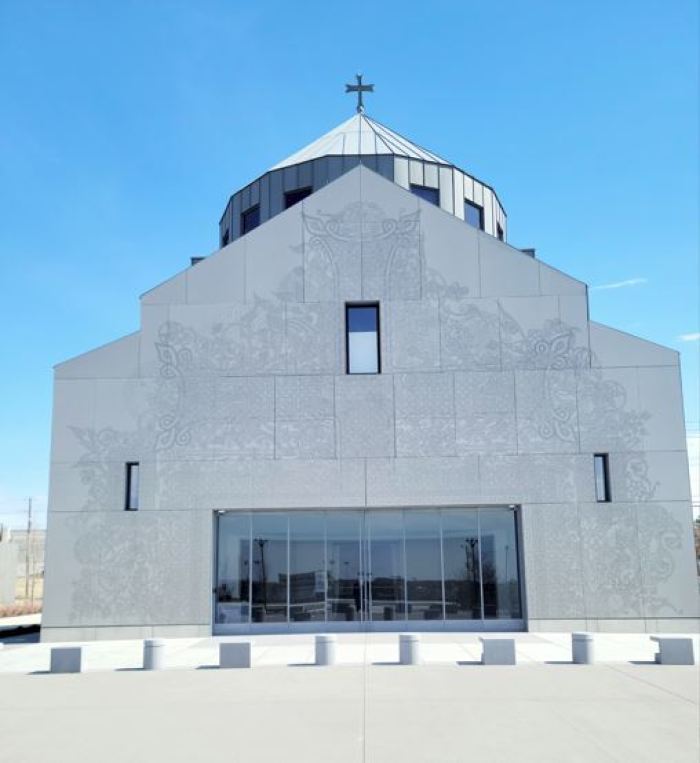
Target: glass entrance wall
[
  {"x": 233, "y": 569},
  {"x": 367, "y": 567},
  {"x": 269, "y": 571},
  {"x": 462, "y": 565},
  {"x": 387, "y": 589},
  {"x": 424, "y": 589},
  {"x": 499, "y": 565},
  {"x": 343, "y": 558},
  {"x": 307, "y": 564}
]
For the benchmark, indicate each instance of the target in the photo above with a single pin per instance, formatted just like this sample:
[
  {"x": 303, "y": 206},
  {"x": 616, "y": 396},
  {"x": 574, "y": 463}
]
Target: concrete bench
[
  {"x": 674, "y": 650},
  {"x": 409, "y": 649},
  {"x": 67, "y": 659},
  {"x": 325, "y": 649},
  {"x": 498, "y": 651},
  {"x": 235, "y": 654}
]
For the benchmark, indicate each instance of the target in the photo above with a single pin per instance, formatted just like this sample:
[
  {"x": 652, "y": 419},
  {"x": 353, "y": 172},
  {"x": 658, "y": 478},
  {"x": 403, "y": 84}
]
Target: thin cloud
[
  {"x": 620, "y": 284},
  {"x": 689, "y": 337}
]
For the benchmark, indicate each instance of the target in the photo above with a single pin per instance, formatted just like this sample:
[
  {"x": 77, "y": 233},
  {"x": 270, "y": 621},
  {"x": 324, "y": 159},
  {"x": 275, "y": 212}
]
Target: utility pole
[{"x": 26, "y": 549}]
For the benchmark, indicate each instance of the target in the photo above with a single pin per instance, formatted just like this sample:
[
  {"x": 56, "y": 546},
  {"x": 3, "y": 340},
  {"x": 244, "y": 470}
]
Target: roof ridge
[
  {"x": 377, "y": 136},
  {"x": 402, "y": 139},
  {"x": 384, "y": 141}
]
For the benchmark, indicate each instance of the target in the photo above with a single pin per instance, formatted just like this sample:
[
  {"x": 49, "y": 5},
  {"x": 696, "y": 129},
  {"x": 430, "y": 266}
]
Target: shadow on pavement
[{"x": 21, "y": 634}]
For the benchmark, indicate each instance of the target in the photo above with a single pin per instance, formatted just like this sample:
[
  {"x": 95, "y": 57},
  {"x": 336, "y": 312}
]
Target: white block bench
[
  {"x": 67, "y": 659},
  {"x": 498, "y": 651},
  {"x": 674, "y": 650},
  {"x": 235, "y": 654}
]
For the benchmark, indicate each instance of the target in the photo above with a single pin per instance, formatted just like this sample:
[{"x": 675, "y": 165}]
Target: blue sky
[{"x": 124, "y": 127}]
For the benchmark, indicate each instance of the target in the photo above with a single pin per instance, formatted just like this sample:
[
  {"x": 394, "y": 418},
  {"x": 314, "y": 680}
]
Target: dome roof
[
  {"x": 361, "y": 140},
  {"x": 360, "y": 136}
]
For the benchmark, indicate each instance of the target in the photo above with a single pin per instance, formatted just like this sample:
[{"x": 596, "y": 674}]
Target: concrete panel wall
[
  {"x": 234, "y": 395},
  {"x": 128, "y": 568}
]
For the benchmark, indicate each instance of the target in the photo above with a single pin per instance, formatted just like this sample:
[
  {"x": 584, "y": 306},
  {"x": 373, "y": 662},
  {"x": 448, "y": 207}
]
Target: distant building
[
  {"x": 8, "y": 566},
  {"x": 368, "y": 411}
]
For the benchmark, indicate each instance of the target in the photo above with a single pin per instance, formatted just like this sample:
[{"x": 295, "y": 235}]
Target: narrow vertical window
[
  {"x": 132, "y": 487},
  {"x": 474, "y": 214},
  {"x": 362, "y": 339},
  {"x": 225, "y": 238},
  {"x": 499, "y": 231},
  {"x": 602, "y": 477},
  {"x": 250, "y": 219}
]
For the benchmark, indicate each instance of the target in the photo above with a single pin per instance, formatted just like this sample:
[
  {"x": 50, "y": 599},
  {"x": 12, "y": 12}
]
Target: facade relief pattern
[
  {"x": 136, "y": 572},
  {"x": 361, "y": 253}
]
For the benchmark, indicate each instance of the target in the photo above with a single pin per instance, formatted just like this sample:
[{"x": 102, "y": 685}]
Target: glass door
[
  {"x": 462, "y": 564},
  {"x": 424, "y": 588},
  {"x": 270, "y": 568},
  {"x": 377, "y": 568},
  {"x": 386, "y": 566},
  {"x": 345, "y": 567}
]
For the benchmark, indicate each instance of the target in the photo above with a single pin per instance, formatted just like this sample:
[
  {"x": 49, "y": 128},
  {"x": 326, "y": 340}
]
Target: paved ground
[
  {"x": 436, "y": 713},
  {"x": 367, "y": 708}
]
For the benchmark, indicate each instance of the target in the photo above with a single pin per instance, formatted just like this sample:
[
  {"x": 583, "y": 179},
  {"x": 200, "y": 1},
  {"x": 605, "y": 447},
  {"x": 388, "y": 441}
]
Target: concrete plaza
[{"x": 366, "y": 709}]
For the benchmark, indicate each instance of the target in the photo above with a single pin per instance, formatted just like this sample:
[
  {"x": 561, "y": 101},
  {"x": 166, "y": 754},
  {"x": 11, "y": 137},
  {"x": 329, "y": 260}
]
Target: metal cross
[{"x": 359, "y": 88}]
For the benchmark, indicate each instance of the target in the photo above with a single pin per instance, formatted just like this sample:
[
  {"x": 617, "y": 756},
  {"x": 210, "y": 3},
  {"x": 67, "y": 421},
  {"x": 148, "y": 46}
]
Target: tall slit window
[
  {"x": 474, "y": 214},
  {"x": 132, "y": 487},
  {"x": 602, "y": 477},
  {"x": 362, "y": 339},
  {"x": 250, "y": 219}
]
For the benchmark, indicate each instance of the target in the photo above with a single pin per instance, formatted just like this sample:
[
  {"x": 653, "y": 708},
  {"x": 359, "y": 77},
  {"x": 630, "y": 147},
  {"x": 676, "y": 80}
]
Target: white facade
[{"x": 495, "y": 391}]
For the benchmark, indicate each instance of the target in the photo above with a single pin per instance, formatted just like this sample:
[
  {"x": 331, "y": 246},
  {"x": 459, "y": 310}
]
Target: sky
[{"x": 125, "y": 126}]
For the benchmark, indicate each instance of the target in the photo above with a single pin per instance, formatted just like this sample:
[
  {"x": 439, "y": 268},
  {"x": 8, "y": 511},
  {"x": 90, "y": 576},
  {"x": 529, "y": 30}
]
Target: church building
[{"x": 368, "y": 411}]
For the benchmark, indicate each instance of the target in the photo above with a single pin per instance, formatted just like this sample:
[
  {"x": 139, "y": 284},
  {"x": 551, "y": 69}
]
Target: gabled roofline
[
  {"x": 636, "y": 336},
  {"x": 73, "y": 358}
]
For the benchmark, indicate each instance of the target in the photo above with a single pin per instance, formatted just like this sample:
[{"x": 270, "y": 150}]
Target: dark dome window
[{"x": 294, "y": 197}]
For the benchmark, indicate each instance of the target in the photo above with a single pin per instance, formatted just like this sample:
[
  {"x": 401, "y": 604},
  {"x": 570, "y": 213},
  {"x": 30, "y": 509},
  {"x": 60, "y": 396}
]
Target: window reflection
[
  {"x": 362, "y": 339},
  {"x": 387, "y": 565},
  {"x": 474, "y": 214},
  {"x": 423, "y": 565},
  {"x": 343, "y": 553},
  {"x": 269, "y": 569},
  {"x": 602, "y": 479},
  {"x": 307, "y": 564},
  {"x": 499, "y": 565},
  {"x": 233, "y": 569},
  {"x": 353, "y": 566},
  {"x": 460, "y": 543}
]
